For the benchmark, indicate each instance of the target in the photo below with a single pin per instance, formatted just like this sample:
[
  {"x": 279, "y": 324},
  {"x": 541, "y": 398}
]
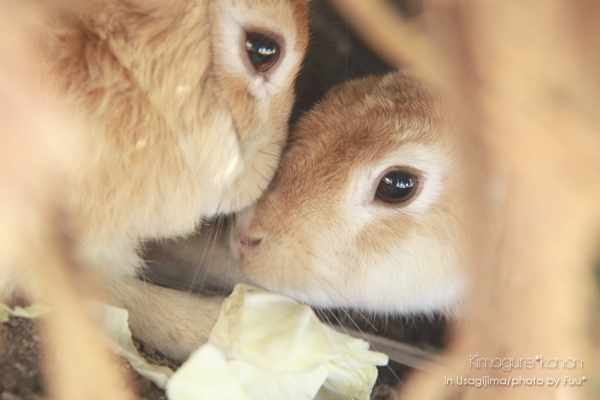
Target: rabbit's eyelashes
[{"x": 363, "y": 209}]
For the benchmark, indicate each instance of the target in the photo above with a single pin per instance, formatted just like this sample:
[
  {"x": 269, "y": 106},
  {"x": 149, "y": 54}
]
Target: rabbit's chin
[
  {"x": 377, "y": 286},
  {"x": 444, "y": 298},
  {"x": 240, "y": 183}
]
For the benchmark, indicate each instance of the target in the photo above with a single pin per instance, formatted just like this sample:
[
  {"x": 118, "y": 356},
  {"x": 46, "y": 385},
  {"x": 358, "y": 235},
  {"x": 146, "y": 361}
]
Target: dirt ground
[{"x": 21, "y": 376}]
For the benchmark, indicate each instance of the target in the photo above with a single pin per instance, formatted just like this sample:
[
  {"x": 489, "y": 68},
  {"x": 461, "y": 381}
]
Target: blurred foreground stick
[
  {"x": 522, "y": 75},
  {"x": 34, "y": 252}
]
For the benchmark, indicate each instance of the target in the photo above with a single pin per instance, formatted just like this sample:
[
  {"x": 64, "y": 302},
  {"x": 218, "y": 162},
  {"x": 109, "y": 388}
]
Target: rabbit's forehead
[
  {"x": 345, "y": 187},
  {"x": 345, "y": 167},
  {"x": 350, "y": 138}
]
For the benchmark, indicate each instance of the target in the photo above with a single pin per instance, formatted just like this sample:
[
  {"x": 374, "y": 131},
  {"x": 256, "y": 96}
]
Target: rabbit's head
[
  {"x": 365, "y": 209},
  {"x": 257, "y": 48},
  {"x": 185, "y": 106}
]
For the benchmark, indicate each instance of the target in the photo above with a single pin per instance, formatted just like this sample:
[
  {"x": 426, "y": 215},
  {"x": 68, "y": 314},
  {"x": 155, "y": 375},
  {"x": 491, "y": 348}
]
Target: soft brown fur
[
  {"x": 325, "y": 239},
  {"x": 167, "y": 124}
]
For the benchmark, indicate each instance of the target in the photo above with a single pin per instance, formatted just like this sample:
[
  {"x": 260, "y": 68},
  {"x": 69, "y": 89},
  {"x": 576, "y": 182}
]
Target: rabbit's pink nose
[{"x": 248, "y": 241}]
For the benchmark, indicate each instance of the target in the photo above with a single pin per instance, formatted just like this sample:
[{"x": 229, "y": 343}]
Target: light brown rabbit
[
  {"x": 366, "y": 208},
  {"x": 179, "y": 111}
]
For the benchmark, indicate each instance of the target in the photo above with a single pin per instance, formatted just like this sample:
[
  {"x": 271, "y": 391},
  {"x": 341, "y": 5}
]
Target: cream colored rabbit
[
  {"x": 180, "y": 111},
  {"x": 366, "y": 209}
]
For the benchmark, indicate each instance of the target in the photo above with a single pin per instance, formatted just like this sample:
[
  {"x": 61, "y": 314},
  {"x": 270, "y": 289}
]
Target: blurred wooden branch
[
  {"x": 395, "y": 40},
  {"x": 33, "y": 250},
  {"x": 520, "y": 71}
]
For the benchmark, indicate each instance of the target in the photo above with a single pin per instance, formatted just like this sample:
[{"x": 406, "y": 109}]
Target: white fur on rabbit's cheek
[
  {"x": 242, "y": 176},
  {"x": 416, "y": 275},
  {"x": 200, "y": 155},
  {"x": 233, "y": 26},
  {"x": 432, "y": 163},
  {"x": 258, "y": 169}
]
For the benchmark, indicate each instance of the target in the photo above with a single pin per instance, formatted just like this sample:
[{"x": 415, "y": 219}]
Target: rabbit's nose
[{"x": 248, "y": 241}]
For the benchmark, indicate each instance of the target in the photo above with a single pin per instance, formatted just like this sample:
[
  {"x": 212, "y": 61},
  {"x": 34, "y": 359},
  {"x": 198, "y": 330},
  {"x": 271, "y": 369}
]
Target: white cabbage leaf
[
  {"x": 266, "y": 346},
  {"x": 33, "y": 311}
]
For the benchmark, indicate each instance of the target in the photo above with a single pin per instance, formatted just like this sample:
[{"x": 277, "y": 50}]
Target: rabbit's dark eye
[
  {"x": 263, "y": 52},
  {"x": 398, "y": 186}
]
